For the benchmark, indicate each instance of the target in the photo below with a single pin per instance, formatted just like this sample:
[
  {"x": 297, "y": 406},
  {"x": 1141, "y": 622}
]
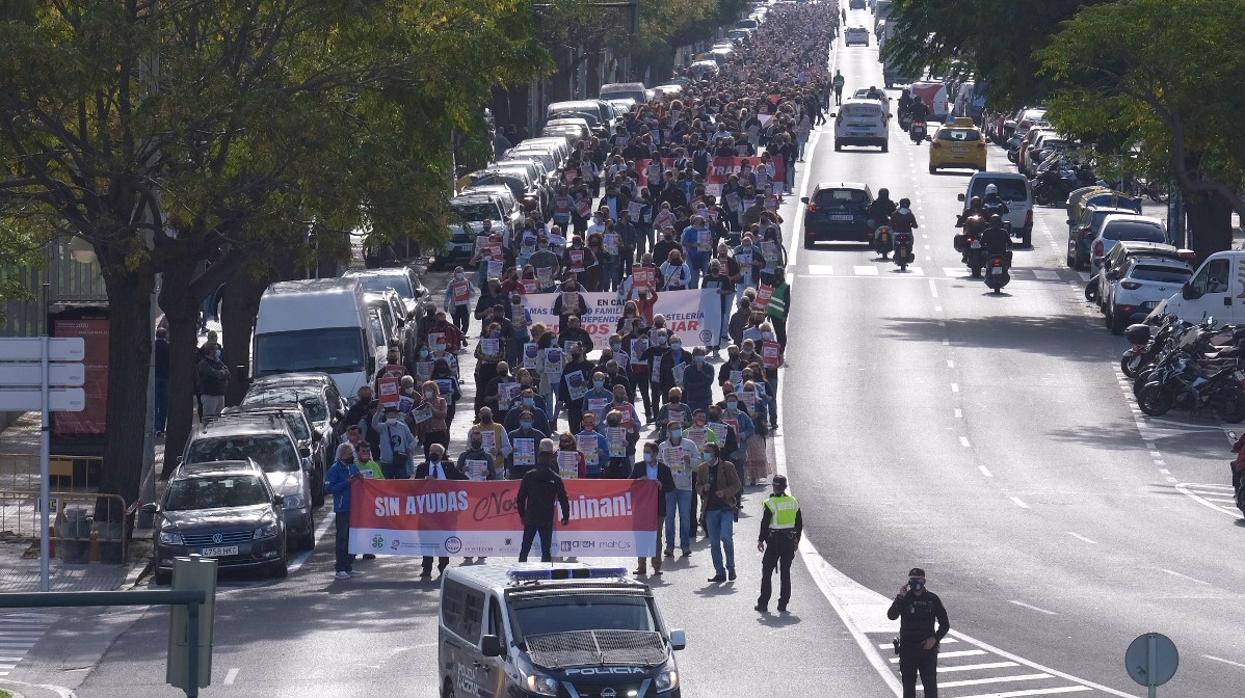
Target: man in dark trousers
[
  {"x": 917, "y": 610},
  {"x": 541, "y": 487},
  {"x": 781, "y": 527},
  {"x": 437, "y": 468}
]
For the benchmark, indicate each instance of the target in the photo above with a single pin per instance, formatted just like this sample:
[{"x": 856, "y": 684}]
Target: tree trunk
[
  {"x": 1210, "y": 224},
  {"x": 129, "y": 363},
  {"x": 181, "y": 309},
  {"x": 238, "y": 309}
]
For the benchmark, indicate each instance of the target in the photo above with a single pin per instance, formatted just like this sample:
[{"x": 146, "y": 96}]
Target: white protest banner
[{"x": 694, "y": 315}]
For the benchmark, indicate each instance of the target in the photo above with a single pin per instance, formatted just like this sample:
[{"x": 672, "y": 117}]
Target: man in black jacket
[
  {"x": 437, "y": 468},
  {"x": 918, "y": 641},
  {"x": 651, "y": 469},
  {"x": 540, "y": 488}
]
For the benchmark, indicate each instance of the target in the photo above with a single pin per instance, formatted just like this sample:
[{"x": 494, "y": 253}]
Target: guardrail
[{"x": 86, "y": 526}]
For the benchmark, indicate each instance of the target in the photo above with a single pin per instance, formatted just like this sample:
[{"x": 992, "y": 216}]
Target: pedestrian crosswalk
[
  {"x": 969, "y": 670},
  {"x": 889, "y": 270},
  {"x": 1215, "y": 496},
  {"x": 18, "y": 633}
]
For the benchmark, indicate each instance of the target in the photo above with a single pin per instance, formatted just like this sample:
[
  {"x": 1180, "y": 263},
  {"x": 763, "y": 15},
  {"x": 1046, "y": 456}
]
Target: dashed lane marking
[
  {"x": 1019, "y": 502},
  {"x": 1082, "y": 538},
  {"x": 1031, "y": 607}
]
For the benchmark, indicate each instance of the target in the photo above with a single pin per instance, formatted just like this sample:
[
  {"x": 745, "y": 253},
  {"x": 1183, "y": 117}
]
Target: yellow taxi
[{"x": 958, "y": 144}]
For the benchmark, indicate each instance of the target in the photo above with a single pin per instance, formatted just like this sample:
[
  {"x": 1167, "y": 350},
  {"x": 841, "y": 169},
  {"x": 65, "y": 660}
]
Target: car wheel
[
  {"x": 281, "y": 568},
  {"x": 838, "y": 148},
  {"x": 885, "y": 147},
  {"x": 809, "y": 243},
  {"x": 308, "y": 540},
  {"x": 1026, "y": 238},
  {"x": 1070, "y": 259},
  {"x": 933, "y": 170},
  {"x": 1116, "y": 323},
  {"x": 163, "y": 578}
]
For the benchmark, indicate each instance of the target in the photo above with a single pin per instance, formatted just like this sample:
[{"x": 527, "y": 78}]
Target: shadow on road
[{"x": 1062, "y": 336}]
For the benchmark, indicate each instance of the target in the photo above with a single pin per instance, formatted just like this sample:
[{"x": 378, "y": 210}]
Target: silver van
[{"x": 529, "y": 630}]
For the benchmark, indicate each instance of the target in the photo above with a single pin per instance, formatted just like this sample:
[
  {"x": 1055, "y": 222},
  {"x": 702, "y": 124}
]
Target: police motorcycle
[
  {"x": 903, "y": 250},
  {"x": 969, "y": 244}
]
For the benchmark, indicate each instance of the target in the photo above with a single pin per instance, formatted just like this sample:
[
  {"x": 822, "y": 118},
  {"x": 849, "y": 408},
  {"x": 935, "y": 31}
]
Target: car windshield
[
  {"x": 215, "y": 493},
  {"x": 273, "y": 452},
  {"x": 1130, "y": 230},
  {"x": 330, "y": 349},
  {"x": 377, "y": 283},
  {"x": 1168, "y": 275},
  {"x": 474, "y": 212},
  {"x": 378, "y": 327},
  {"x": 862, "y": 110},
  {"x": 842, "y": 198},
  {"x": 1010, "y": 189},
  {"x": 281, "y": 396},
  {"x": 572, "y": 612},
  {"x": 959, "y": 134}
]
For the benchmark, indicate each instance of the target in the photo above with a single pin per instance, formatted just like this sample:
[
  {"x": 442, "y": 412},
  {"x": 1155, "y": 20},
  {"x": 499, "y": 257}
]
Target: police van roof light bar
[{"x": 549, "y": 573}]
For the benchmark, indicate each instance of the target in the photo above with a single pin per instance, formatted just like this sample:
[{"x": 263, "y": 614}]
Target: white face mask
[
  {"x": 459, "y": 275},
  {"x": 392, "y": 420}
]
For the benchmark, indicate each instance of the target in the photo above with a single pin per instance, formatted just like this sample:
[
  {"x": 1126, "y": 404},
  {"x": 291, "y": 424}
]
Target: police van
[{"x": 553, "y": 629}]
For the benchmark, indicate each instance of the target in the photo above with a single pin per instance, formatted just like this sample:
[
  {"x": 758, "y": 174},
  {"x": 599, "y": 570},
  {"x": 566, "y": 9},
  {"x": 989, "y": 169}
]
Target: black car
[
  {"x": 224, "y": 510},
  {"x": 837, "y": 211},
  {"x": 317, "y": 395}
]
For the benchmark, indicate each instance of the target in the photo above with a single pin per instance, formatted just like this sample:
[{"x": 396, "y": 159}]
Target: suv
[
  {"x": 1015, "y": 191},
  {"x": 266, "y": 440},
  {"x": 560, "y": 629},
  {"x": 1115, "y": 227},
  {"x": 402, "y": 280},
  {"x": 317, "y": 395},
  {"x": 837, "y": 211},
  {"x": 1137, "y": 287},
  {"x": 310, "y": 444},
  {"x": 222, "y": 510}
]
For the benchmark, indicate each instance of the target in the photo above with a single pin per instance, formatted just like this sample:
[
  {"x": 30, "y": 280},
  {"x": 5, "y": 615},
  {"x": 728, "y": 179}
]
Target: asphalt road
[{"x": 925, "y": 422}]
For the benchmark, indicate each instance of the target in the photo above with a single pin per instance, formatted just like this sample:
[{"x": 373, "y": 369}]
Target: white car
[
  {"x": 1124, "y": 226},
  {"x": 1139, "y": 286},
  {"x": 1015, "y": 191},
  {"x": 856, "y": 36}
]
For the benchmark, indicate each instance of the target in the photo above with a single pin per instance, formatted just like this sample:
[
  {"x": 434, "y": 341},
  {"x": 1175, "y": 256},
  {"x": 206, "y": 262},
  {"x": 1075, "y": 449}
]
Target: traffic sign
[
  {"x": 30, "y": 349},
  {"x": 28, "y": 375},
  {"x": 59, "y": 400},
  {"x": 1151, "y": 660}
]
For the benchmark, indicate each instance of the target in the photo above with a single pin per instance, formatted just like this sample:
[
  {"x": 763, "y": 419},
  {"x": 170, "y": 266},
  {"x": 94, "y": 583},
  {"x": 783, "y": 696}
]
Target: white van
[
  {"x": 934, "y": 94},
  {"x": 553, "y": 629},
  {"x": 861, "y": 122},
  {"x": 316, "y": 325},
  {"x": 1016, "y": 192},
  {"x": 1216, "y": 290}
]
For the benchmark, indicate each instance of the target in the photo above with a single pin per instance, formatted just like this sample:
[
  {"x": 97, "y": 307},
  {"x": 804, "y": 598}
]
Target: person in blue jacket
[{"x": 337, "y": 482}]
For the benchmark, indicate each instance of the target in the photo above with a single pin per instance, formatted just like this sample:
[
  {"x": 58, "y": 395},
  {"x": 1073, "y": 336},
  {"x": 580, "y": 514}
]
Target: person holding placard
[
  {"x": 431, "y": 417},
  {"x": 528, "y": 401},
  {"x": 575, "y": 384},
  {"x": 676, "y": 356},
  {"x": 571, "y": 464},
  {"x": 698, "y": 381},
  {"x": 651, "y": 468},
  {"x": 477, "y": 465},
  {"x": 599, "y": 396},
  {"x": 396, "y": 443},
  {"x": 436, "y": 468},
  {"x": 593, "y": 444},
  {"x": 458, "y": 300},
  {"x": 569, "y": 304},
  {"x": 494, "y": 439},
  {"x": 681, "y": 456},
  {"x": 619, "y": 448},
  {"x": 523, "y": 441}
]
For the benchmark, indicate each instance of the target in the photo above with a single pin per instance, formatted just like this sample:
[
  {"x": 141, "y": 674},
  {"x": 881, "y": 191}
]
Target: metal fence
[{"x": 86, "y": 526}]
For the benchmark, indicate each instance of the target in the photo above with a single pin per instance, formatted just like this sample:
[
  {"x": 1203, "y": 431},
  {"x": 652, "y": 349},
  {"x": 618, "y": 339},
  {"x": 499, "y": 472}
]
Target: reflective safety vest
[
  {"x": 782, "y": 512},
  {"x": 778, "y": 302}
]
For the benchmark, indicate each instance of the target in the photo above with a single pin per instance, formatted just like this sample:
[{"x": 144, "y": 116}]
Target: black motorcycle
[
  {"x": 903, "y": 250},
  {"x": 1180, "y": 384},
  {"x": 997, "y": 274}
]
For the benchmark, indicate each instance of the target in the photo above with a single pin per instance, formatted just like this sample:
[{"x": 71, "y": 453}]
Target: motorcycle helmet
[
  {"x": 991, "y": 189},
  {"x": 975, "y": 202},
  {"x": 996, "y": 220}
]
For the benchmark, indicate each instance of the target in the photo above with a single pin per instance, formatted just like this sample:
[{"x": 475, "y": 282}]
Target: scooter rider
[
  {"x": 993, "y": 204},
  {"x": 903, "y": 220},
  {"x": 974, "y": 209},
  {"x": 996, "y": 240},
  {"x": 920, "y": 112},
  {"x": 905, "y": 104},
  {"x": 882, "y": 207}
]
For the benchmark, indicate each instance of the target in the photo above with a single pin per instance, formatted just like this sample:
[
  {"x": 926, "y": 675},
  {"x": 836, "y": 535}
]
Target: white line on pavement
[
  {"x": 985, "y": 471},
  {"x": 231, "y": 676},
  {"x": 950, "y": 363},
  {"x": 1174, "y": 573},
  {"x": 964, "y": 442},
  {"x": 933, "y": 287},
  {"x": 955, "y": 387},
  {"x": 1018, "y": 502},
  {"x": 1038, "y": 692},
  {"x": 975, "y": 667},
  {"x": 993, "y": 679},
  {"x": 1031, "y": 607},
  {"x": 1082, "y": 538},
  {"x": 1224, "y": 661},
  {"x": 949, "y": 655},
  {"x": 959, "y": 413},
  {"x": 297, "y": 562}
]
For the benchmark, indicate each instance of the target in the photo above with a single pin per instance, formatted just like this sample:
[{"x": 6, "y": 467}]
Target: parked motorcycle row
[{"x": 1186, "y": 366}]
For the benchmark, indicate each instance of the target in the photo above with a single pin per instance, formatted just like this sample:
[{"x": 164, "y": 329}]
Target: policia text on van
[{"x": 553, "y": 629}]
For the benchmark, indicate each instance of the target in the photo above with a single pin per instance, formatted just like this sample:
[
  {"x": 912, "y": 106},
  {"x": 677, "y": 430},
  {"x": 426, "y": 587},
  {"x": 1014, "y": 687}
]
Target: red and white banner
[
  {"x": 695, "y": 315},
  {"x": 720, "y": 170},
  {"x": 609, "y": 518}
]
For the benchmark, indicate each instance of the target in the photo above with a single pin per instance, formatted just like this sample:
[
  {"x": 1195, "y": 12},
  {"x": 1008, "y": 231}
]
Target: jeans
[
  {"x": 343, "y": 561},
  {"x": 162, "y": 404},
  {"x": 721, "y": 525},
  {"x": 679, "y": 503},
  {"x": 918, "y": 661},
  {"x": 546, "y": 541},
  {"x": 394, "y": 472}
]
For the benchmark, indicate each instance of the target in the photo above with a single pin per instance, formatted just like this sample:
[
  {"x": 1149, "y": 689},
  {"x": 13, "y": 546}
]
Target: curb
[{"x": 30, "y": 690}]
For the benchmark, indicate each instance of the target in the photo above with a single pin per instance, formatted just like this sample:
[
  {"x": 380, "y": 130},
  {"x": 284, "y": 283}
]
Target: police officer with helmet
[
  {"x": 781, "y": 525},
  {"x": 917, "y": 645}
]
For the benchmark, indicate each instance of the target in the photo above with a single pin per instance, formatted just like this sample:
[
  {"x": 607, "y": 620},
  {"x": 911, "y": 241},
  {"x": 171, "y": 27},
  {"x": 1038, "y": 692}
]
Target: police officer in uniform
[
  {"x": 781, "y": 525},
  {"x": 917, "y": 610}
]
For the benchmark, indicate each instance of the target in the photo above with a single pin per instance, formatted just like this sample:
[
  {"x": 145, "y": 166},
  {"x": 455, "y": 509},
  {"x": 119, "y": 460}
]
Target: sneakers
[
  {"x": 368, "y": 556},
  {"x": 670, "y": 552},
  {"x": 718, "y": 578},
  {"x": 730, "y": 574},
  {"x": 782, "y": 608},
  {"x": 342, "y": 575},
  {"x": 761, "y": 608}
]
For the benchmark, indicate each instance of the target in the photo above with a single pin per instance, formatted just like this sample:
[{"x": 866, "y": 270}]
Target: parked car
[
  {"x": 317, "y": 395},
  {"x": 226, "y": 511},
  {"x": 837, "y": 211},
  {"x": 308, "y": 439},
  {"x": 958, "y": 145},
  {"x": 624, "y": 90},
  {"x": 1081, "y": 233},
  {"x": 404, "y": 281},
  {"x": 1138, "y": 286},
  {"x": 1124, "y": 226},
  {"x": 388, "y": 315}
]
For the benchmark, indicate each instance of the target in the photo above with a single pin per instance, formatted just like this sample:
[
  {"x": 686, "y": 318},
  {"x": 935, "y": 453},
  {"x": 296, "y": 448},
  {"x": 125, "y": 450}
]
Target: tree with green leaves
[
  {"x": 1165, "y": 86},
  {"x": 171, "y": 132}
]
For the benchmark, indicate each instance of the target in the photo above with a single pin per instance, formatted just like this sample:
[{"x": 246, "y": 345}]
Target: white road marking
[
  {"x": 993, "y": 679},
  {"x": 945, "y": 641},
  {"x": 955, "y": 387},
  {"x": 1031, "y": 607},
  {"x": 1165, "y": 471},
  {"x": 938, "y": 309},
  {"x": 950, "y": 363},
  {"x": 949, "y": 655},
  {"x": 1082, "y": 538},
  {"x": 984, "y": 666},
  {"x": 821, "y": 270},
  {"x": 1018, "y": 502},
  {"x": 865, "y": 271},
  {"x": 933, "y": 288},
  {"x": 1174, "y": 573},
  {"x": 1046, "y": 275},
  {"x": 954, "y": 272},
  {"x": 1038, "y": 692},
  {"x": 959, "y": 413},
  {"x": 1229, "y": 662},
  {"x": 1199, "y": 494},
  {"x": 1149, "y": 444},
  {"x": 985, "y": 471},
  {"x": 964, "y": 442},
  {"x": 231, "y": 676},
  {"x": 297, "y": 561}
]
